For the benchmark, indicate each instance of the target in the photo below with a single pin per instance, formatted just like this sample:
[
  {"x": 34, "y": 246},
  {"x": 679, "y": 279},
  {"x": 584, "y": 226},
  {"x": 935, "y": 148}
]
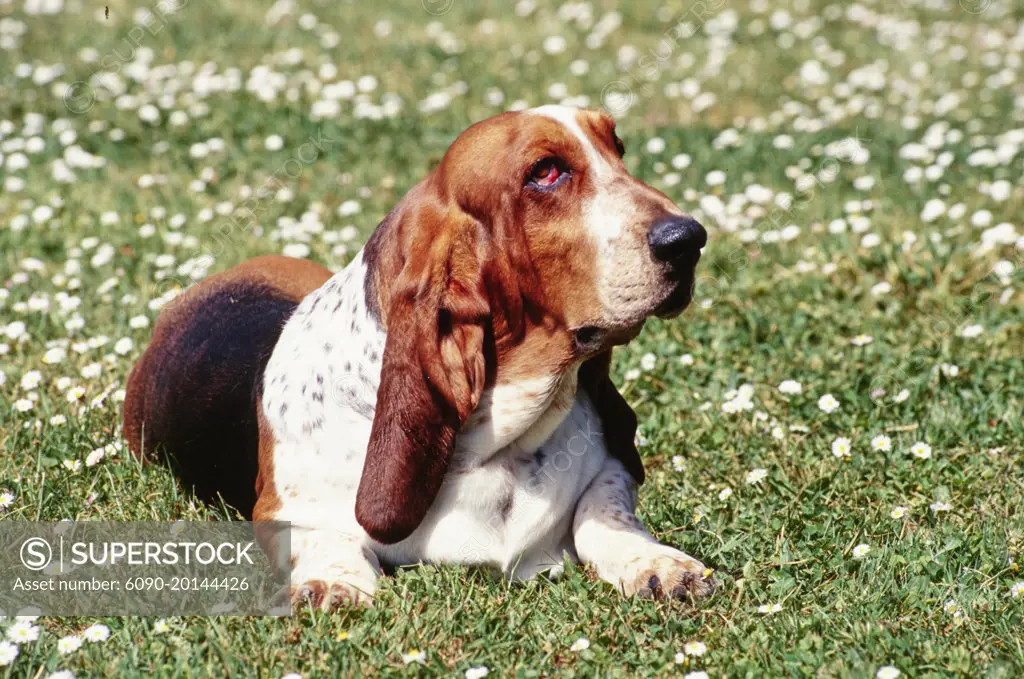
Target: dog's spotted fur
[{"x": 445, "y": 398}]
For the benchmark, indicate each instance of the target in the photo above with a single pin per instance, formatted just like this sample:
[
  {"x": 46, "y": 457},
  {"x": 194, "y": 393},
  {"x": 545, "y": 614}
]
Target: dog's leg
[
  {"x": 609, "y": 536},
  {"x": 331, "y": 570}
]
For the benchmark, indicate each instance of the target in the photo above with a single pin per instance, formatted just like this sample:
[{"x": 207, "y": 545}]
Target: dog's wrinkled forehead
[
  {"x": 592, "y": 130},
  {"x": 495, "y": 153}
]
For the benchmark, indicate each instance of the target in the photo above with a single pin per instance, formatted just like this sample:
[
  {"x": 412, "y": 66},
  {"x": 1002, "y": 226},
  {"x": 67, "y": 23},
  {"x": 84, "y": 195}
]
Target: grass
[{"x": 771, "y": 306}]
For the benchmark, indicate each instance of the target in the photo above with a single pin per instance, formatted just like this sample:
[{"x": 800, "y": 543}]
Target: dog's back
[{"x": 192, "y": 393}]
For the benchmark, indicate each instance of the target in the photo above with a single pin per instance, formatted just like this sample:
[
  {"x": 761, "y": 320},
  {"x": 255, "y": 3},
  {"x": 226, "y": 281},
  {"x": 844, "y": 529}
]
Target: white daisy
[
  {"x": 414, "y": 655},
  {"x": 828, "y": 404},
  {"x": 882, "y": 443},
  {"x": 69, "y": 644},
  {"x": 580, "y": 644},
  {"x": 790, "y": 387},
  {"x": 755, "y": 476},
  {"x": 921, "y": 450},
  {"x": 841, "y": 447},
  {"x": 8, "y": 652},
  {"x": 97, "y": 632},
  {"x": 695, "y": 648},
  {"x": 23, "y": 632}
]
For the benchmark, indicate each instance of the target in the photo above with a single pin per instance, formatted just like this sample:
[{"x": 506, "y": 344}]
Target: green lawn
[{"x": 860, "y": 171}]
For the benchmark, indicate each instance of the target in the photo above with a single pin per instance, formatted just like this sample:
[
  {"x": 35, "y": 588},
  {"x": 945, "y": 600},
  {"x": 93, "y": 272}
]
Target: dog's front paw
[
  {"x": 667, "y": 574},
  {"x": 331, "y": 594}
]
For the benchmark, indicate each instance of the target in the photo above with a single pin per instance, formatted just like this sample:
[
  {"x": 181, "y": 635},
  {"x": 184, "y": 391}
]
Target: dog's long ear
[
  {"x": 618, "y": 421},
  {"x": 433, "y": 371}
]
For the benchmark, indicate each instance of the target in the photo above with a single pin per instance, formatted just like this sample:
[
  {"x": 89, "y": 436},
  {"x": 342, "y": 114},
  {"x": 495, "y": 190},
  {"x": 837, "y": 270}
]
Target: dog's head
[{"x": 528, "y": 251}]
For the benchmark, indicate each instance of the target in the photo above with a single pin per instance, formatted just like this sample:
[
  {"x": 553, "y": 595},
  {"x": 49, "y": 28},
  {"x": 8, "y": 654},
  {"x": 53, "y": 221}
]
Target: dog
[{"x": 445, "y": 398}]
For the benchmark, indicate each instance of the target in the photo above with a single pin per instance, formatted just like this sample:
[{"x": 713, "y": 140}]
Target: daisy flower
[
  {"x": 972, "y": 331},
  {"x": 940, "y": 506},
  {"x": 695, "y": 648},
  {"x": 921, "y": 450},
  {"x": 724, "y": 494},
  {"x": 882, "y": 443},
  {"x": 8, "y": 652},
  {"x": 415, "y": 655},
  {"x": 23, "y": 632},
  {"x": 1016, "y": 590},
  {"x": 69, "y": 644},
  {"x": 97, "y": 632},
  {"x": 756, "y": 476},
  {"x": 6, "y": 499},
  {"x": 862, "y": 340},
  {"x": 123, "y": 346},
  {"x": 696, "y": 675},
  {"x": 580, "y": 644},
  {"x": 898, "y": 512},
  {"x": 161, "y": 626},
  {"x": 887, "y": 672},
  {"x": 841, "y": 447},
  {"x": 861, "y": 551},
  {"x": 769, "y": 609},
  {"x": 648, "y": 361},
  {"x": 477, "y": 672},
  {"x": 828, "y": 404},
  {"x": 678, "y": 463},
  {"x": 790, "y": 387}
]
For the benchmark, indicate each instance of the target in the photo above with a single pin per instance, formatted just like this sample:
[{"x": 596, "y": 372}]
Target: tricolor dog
[{"x": 446, "y": 397}]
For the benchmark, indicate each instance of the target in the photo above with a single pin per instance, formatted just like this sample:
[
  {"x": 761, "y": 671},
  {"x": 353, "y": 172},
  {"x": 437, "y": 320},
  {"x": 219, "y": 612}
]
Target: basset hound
[{"x": 445, "y": 398}]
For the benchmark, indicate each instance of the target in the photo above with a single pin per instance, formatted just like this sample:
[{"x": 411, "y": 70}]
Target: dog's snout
[{"x": 676, "y": 237}]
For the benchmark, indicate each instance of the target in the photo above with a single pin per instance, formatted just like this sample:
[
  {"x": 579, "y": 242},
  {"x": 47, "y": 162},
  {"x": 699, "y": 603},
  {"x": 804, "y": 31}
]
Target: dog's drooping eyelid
[{"x": 547, "y": 173}]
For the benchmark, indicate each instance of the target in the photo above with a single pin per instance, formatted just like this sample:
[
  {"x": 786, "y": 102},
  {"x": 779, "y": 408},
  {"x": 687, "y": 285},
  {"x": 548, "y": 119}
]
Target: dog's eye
[
  {"x": 547, "y": 172},
  {"x": 619, "y": 146}
]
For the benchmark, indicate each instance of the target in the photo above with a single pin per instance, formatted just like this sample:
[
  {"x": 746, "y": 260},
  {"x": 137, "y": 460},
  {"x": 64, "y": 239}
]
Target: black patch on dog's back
[{"x": 200, "y": 384}]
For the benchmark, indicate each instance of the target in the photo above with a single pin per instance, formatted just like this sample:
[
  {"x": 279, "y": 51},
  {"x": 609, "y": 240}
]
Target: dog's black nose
[{"x": 675, "y": 237}]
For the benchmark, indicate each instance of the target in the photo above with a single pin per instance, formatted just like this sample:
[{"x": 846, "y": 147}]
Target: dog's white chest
[{"x": 515, "y": 510}]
